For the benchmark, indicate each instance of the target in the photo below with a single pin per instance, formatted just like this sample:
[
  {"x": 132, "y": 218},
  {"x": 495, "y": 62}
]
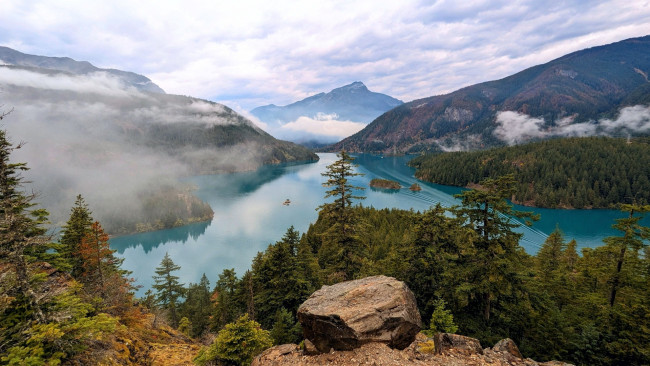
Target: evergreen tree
[
  {"x": 168, "y": 289},
  {"x": 197, "y": 307},
  {"x": 342, "y": 242},
  {"x": 442, "y": 321},
  {"x": 277, "y": 279},
  {"x": 78, "y": 225},
  {"x": 634, "y": 239},
  {"x": 494, "y": 263},
  {"x": 226, "y": 309},
  {"x": 101, "y": 273},
  {"x": 21, "y": 231},
  {"x": 285, "y": 329}
]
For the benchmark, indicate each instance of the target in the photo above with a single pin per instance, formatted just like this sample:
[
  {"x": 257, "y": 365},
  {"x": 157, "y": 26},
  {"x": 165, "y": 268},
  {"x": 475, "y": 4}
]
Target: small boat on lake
[{"x": 287, "y": 202}]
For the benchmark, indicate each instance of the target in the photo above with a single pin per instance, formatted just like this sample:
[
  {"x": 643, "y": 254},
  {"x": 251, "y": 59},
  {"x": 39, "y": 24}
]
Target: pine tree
[
  {"x": 78, "y": 225},
  {"x": 197, "y": 307},
  {"x": 21, "y": 231},
  {"x": 168, "y": 289},
  {"x": 497, "y": 247},
  {"x": 100, "y": 271},
  {"x": 226, "y": 309},
  {"x": 342, "y": 242},
  {"x": 277, "y": 279},
  {"x": 634, "y": 239}
]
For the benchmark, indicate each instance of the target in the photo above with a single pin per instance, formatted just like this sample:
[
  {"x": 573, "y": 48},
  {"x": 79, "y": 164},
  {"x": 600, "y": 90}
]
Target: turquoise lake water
[{"x": 249, "y": 215}]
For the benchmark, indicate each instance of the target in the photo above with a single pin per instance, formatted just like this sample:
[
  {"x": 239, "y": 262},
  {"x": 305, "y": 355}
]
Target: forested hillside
[{"x": 595, "y": 172}]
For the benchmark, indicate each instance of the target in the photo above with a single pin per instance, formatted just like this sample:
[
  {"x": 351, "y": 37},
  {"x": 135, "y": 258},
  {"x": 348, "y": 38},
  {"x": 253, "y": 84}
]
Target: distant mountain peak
[{"x": 350, "y": 103}]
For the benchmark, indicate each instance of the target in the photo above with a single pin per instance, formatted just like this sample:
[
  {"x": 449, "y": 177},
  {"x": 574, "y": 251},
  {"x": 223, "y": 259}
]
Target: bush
[{"x": 236, "y": 344}]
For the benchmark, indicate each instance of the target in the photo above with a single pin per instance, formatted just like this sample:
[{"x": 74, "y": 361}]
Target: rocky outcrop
[
  {"x": 350, "y": 314},
  {"x": 458, "y": 343},
  {"x": 467, "y": 351},
  {"x": 375, "y": 321}
]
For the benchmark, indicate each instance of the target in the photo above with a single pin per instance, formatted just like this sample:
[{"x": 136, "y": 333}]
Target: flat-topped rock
[{"x": 349, "y": 314}]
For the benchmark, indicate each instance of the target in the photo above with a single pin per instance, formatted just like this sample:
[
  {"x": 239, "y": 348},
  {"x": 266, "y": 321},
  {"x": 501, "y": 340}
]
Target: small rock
[
  {"x": 310, "y": 349},
  {"x": 509, "y": 346},
  {"x": 462, "y": 344}
]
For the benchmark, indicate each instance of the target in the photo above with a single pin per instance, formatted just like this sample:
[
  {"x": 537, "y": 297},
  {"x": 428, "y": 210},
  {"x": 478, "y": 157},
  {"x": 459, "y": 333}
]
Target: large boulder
[{"x": 349, "y": 314}]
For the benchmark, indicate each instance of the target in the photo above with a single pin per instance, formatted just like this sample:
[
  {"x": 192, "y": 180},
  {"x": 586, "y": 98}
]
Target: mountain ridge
[
  {"x": 572, "y": 90},
  {"x": 9, "y": 56}
]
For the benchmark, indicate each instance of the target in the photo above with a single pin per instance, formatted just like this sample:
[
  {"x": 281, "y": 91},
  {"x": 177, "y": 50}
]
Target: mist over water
[
  {"x": 249, "y": 215},
  {"x": 96, "y": 136}
]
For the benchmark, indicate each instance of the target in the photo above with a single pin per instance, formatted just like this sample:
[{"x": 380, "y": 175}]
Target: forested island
[
  {"x": 590, "y": 172},
  {"x": 165, "y": 207},
  {"x": 384, "y": 184},
  {"x": 70, "y": 302}
]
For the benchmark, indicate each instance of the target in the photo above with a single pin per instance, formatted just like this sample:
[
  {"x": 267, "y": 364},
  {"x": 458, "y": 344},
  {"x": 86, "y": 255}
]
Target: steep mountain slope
[
  {"x": 10, "y": 56},
  {"x": 120, "y": 147},
  {"x": 575, "y": 95},
  {"x": 351, "y": 103}
]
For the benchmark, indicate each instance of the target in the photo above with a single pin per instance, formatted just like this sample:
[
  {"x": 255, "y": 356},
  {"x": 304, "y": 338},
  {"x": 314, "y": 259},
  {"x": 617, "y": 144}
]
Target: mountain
[
  {"x": 602, "y": 90},
  {"x": 352, "y": 103},
  {"x": 12, "y": 57},
  {"x": 125, "y": 149}
]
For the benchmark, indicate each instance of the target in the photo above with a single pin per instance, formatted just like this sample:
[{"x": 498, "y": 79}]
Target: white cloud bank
[
  {"x": 324, "y": 125},
  {"x": 514, "y": 127}
]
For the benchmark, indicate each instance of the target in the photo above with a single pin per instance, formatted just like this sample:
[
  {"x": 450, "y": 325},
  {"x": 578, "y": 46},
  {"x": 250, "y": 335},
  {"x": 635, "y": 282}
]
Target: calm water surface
[{"x": 249, "y": 215}]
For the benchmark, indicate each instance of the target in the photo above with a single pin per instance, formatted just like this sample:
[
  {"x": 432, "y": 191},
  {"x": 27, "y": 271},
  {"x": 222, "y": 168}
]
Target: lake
[{"x": 249, "y": 215}]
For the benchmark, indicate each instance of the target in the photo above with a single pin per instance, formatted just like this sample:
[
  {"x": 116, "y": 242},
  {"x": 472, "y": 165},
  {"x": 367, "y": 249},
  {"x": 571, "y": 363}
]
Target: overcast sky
[{"x": 249, "y": 53}]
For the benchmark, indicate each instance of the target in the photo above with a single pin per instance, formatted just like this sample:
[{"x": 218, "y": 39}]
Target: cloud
[
  {"x": 97, "y": 83},
  {"x": 324, "y": 125},
  {"x": 514, "y": 127},
  {"x": 259, "y": 52}
]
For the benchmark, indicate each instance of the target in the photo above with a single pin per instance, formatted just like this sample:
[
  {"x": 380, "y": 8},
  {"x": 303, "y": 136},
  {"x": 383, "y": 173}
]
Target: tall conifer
[{"x": 168, "y": 289}]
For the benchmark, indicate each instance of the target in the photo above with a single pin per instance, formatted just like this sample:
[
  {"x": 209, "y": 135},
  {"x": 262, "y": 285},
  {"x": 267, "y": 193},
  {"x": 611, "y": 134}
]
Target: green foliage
[
  {"x": 277, "y": 280},
  {"x": 492, "y": 269},
  {"x": 442, "y": 321},
  {"x": 69, "y": 331},
  {"x": 285, "y": 329},
  {"x": 77, "y": 226},
  {"x": 577, "y": 172},
  {"x": 227, "y": 308},
  {"x": 236, "y": 344},
  {"x": 197, "y": 307},
  {"x": 342, "y": 242},
  {"x": 185, "y": 326},
  {"x": 168, "y": 289}
]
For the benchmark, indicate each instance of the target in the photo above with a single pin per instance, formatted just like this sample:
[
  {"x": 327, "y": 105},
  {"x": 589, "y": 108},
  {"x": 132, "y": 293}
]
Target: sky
[{"x": 248, "y": 53}]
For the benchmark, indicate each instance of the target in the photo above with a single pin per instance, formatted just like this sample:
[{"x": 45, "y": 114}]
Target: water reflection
[{"x": 151, "y": 240}]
